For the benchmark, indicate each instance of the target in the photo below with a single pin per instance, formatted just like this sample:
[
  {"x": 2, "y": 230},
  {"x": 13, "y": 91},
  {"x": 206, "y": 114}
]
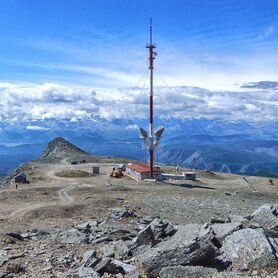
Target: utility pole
[{"x": 152, "y": 54}]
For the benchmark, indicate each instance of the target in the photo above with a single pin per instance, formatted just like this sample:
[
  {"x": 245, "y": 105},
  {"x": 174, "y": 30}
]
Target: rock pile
[{"x": 127, "y": 245}]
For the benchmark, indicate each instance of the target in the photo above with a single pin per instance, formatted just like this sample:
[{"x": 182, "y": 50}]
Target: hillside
[{"x": 78, "y": 224}]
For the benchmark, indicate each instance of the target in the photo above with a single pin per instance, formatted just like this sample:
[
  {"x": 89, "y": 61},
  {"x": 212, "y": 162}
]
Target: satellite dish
[
  {"x": 158, "y": 133},
  {"x": 144, "y": 133}
]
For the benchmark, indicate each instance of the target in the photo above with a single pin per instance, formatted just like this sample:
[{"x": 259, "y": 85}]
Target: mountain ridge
[{"x": 60, "y": 146}]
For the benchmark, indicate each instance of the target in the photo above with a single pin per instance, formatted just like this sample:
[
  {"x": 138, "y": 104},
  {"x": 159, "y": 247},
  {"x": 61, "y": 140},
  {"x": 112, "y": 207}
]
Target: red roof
[{"x": 143, "y": 168}]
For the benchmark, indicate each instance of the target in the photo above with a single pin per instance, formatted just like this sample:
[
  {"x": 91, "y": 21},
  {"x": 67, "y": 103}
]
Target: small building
[
  {"x": 142, "y": 171},
  {"x": 21, "y": 178},
  {"x": 184, "y": 176},
  {"x": 96, "y": 170}
]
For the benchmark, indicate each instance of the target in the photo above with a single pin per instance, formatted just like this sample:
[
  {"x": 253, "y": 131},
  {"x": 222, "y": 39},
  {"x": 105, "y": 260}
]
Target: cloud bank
[{"x": 252, "y": 102}]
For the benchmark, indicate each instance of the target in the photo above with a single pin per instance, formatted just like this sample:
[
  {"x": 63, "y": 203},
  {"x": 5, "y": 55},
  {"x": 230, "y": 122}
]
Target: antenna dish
[
  {"x": 158, "y": 133},
  {"x": 144, "y": 133}
]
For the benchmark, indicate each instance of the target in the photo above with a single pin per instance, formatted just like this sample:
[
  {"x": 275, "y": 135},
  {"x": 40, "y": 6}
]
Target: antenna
[
  {"x": 153, "y": 138},
  {"x": 151, "y": 130}
]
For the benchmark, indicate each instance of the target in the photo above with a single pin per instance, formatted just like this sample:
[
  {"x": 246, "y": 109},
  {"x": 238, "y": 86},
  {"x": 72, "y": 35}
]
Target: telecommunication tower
[{"x": 152, "y": 138}]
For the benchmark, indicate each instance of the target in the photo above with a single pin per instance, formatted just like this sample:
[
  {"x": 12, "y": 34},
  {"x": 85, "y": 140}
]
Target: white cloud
[
  {"x": 133, "y": 127},
  {"x": 55, "y": 101},
  {"x": 36, "y": 127}
]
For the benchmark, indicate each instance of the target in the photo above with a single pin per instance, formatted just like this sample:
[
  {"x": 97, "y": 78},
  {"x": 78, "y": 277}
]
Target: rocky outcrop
[
  {"x": 59, "y": 146},
  {"x": 266, "y": 217},
  {"x": 127, "y": 245},
  {"x": 249, "y": 249},
  {"x": 191, "y": 244}
]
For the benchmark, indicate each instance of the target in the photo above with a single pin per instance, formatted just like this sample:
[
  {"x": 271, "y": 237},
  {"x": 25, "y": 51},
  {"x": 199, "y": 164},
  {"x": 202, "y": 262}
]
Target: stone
[
  {"x": 107, "y": 250},
  {"x": 223, "y": 230},
  {"x": 196, "y": 272},
  {"x": 227, "y": 193},
  {"x": 3, "y": 257},
  {"x": 133, "y": 274},
  {"x": 66, "y": 260},
  {"x": 114, "y": 267},
  {"x": 248, "y": 249},
  {"x": 121, "y": 250},
  {"x": 72, "y": 236},
  {"x": 87, "y": 226},
  {"x": 87, "y": 272},
  {"x": 238, "y": 219},
  {"x": 191, "y": 244},
  {"x": 274, "y": 244},
  {"x": 217, "y": 219},
  {"x": 121, "y": 267},
  {"x": 146, "y": 220},
  {"x": 118, "y": 213},
  {"x": 90, "y": 258},
  {"x": 144, "y": 241},
  {"x": 187, "y": 271},
  {"x": 265, "y": 208},
  {"x": 161, "y": 228},
  {"x": 266, "y": 217},
  {"x": 15, "y": 236},
  {"x": 124, "y": 234},
  {"x": 100, "y": 240},
  {"x": 102, "y": 266}
]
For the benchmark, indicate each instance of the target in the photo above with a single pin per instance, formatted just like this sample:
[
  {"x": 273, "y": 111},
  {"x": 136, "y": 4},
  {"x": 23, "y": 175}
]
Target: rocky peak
[{"x": 60, "y": 146}]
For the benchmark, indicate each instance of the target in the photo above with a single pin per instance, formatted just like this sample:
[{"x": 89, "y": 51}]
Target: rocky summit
[
  {"x": 61, "y": 147},
  {"x": 63, "y": 219}
]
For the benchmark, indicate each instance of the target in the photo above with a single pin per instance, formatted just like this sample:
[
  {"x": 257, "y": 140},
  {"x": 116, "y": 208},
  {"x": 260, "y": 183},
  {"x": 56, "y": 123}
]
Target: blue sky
[{"x": 212, "y": 44}]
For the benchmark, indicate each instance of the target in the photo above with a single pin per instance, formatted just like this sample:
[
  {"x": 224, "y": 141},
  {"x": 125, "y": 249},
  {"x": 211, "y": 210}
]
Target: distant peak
[{"x": 59, "y": 147}]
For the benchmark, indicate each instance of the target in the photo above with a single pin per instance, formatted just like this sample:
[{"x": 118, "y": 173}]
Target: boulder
[
  {"x": 100, "y": 240},
  {"x": 161, "y": 228},
  {"x": 266, "y": 217},
  {"x": 217, "y": 219},
  {"x": 90, "y": 258},
  {"x": 107, "y": 250},
  {"x": 248, "y": 249},
  {"x": 87, "y": 272},
  {"x": 124, "y": 234},
  {"x": 72, "y": 236},
  {"x": 196, "y": 272},
  {"x": 265, "y": 208},
  {"x": 66, "y": 260},
  {"x": 119, "y": 213},
  {"x": 102, "y": 266},
  {"x": 114, "y": 267},
  {"x": 238, "y": 219},
  {"x": 87, "y": 226},
  {"x": 187, "y": 271},
  {"x": 223, "y": 230},
  {"x": 121, "y": 250},
  {"x": 191, "y": 244},
  {"x": 144, "y": 241},
  {"x": 120, "y": 267}
]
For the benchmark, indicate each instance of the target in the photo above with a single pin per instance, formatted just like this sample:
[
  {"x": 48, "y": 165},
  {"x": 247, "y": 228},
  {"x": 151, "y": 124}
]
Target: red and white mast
[
  {"x": 152, "y": 54},
  {"x": 152, "y": 138}
]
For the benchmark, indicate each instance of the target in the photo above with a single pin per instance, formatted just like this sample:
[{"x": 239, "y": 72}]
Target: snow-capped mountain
[{"x": 216, "y": 145}]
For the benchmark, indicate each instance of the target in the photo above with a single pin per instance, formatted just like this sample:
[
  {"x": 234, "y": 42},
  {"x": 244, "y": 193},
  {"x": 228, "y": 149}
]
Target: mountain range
[{"x": 208, "y": 144}]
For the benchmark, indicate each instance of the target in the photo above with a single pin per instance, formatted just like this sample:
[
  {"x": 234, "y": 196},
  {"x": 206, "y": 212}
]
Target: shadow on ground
[{"x": 187, "y": 185}]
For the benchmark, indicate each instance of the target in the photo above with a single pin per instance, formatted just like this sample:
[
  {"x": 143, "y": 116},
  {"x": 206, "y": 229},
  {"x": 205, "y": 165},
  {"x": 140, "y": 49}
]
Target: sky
[{"x": 55, "y": 52}]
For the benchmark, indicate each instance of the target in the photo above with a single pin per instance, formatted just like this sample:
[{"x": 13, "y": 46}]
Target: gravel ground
[{"x": 52, "y": 204}]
